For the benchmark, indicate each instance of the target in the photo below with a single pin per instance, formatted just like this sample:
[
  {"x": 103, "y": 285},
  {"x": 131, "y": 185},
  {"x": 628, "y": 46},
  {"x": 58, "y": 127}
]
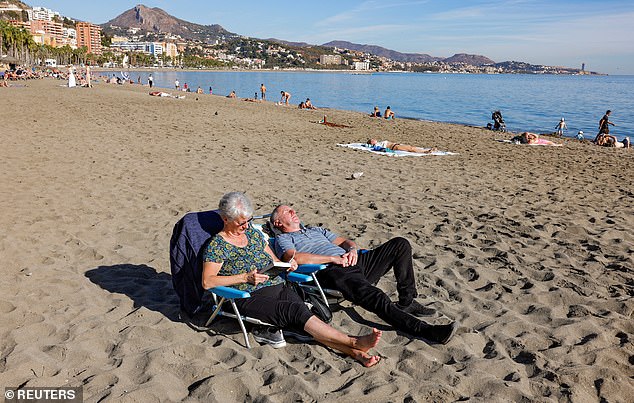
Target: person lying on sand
[
  {"x": 354, "y": 274},
  {"x": 608, "y": 140},
  {"x": 325, "y": 122},
  {"x": 385, "y": 145},
  {"x": 234, "y": 257},
  {"x": 164, "y": 94},
  {"x": 533, "y": 138}
]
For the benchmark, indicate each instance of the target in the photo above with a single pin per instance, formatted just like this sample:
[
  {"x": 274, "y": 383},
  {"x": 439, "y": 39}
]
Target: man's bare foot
[{"x": 365, "y": 343}]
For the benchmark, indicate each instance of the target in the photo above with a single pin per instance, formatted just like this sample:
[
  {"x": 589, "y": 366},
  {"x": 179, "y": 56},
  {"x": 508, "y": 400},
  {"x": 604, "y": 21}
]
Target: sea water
[{"x": 528, "y": 102}]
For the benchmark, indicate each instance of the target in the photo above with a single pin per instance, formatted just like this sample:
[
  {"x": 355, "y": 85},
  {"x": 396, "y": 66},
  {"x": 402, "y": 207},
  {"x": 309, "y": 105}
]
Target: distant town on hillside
[{"x": 150, "y": 37}]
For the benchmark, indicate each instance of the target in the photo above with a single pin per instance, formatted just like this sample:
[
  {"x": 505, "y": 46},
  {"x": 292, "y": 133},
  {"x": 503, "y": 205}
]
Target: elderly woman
[
  {"x": 234, "y": 257},
  {"x": 386, "y": 145}
]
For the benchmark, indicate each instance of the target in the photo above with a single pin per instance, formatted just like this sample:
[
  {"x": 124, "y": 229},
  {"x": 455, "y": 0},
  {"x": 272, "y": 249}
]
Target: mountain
[
  {"x": 155, "y": 20},
  {"x": 383, "y": 52},
  {"x": 474, "y": 60}
]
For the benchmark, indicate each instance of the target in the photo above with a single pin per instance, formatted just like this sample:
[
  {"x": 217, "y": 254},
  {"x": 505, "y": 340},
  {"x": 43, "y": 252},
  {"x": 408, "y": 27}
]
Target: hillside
[
  {"x": 474, "y": 60},
  {"x": 16, "y": 10},
  {"x": 155, "y": 20},
  {"x": 383, "y": 52}
]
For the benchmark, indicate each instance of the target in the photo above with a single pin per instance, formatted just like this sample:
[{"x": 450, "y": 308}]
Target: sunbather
[
  {"x": 233, "y": 258},
  {"x": 388, "y": 145},
  {"x": 533, "y": 138},
  {"x": 355, "y": 275}
]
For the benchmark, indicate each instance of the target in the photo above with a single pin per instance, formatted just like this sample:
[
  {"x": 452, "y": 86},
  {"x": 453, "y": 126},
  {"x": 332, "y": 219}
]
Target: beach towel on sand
[{"x": 392, "y": 153}]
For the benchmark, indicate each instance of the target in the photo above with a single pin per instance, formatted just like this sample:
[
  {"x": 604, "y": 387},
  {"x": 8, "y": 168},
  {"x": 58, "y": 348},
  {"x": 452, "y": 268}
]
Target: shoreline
[{"x": 530, "y": 248}]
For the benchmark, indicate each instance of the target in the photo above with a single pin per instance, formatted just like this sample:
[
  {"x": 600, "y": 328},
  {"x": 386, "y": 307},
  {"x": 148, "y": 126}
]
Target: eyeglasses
[{"x": 241, "y": 224}]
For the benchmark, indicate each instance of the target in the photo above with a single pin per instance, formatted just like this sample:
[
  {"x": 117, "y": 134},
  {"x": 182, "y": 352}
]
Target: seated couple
[
  {"x": 533, "y": 138},
  {"x": 234, "y": 255},
  {"x": 306, "y": 104},
  {"x": 389, "y": 114},
  {"x": 385, "y": 145}
]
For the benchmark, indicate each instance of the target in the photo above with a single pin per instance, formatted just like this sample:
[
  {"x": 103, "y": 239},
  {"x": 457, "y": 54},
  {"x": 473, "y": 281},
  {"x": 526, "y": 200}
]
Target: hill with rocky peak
[{"x": 157, "y": 21}]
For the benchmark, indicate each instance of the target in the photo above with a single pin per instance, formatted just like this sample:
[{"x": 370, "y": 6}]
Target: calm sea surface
[{"x": 528, "y": 102}]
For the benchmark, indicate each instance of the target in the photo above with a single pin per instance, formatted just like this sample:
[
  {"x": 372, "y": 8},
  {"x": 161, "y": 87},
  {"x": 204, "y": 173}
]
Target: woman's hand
[
  {"x": 293, "y": 265},
  {"x": 255, "y": 278}
]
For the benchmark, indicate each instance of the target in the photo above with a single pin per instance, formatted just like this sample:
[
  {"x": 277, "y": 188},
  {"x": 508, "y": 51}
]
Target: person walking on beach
[
  {"x": 604, "y": 123},
  {"x": 88, "y": 78},
  {"x": 150, "y": 80},
  {"x": 604, "y": 126},
  {"x": 177, "y": 84},
  {"x": 263, "y": 92},
  {"x": 286, "y": 96},
  {"x": 560, "y": 127}
]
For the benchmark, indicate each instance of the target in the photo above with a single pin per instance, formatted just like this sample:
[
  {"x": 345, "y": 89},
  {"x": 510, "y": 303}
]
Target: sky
[{"x": 550, "y": 32}]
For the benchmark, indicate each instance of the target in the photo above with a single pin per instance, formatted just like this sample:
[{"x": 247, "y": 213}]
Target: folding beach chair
[{"x": 189, "y": 239}]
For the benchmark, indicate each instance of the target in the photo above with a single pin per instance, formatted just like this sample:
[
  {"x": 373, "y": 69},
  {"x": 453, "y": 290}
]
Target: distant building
[
  {"x": 361, "y": 65},
  {"x": 330, "y": 59},
  {"x": 89, "y": 35},
  {"x": 50, "y": 33},
  {"x": 170, "y": 49},
  {"x": 69, "y": 37},
  {"x": 41, "y": 14}
]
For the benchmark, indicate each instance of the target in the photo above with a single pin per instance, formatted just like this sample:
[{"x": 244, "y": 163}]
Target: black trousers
[
  {"x": 357, "y": 284},
  {"x": 278, "y": 305}
]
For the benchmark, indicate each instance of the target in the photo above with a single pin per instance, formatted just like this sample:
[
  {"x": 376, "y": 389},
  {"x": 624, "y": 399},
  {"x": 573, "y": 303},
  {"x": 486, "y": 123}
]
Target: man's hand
[{"x": 351, "y": 257}]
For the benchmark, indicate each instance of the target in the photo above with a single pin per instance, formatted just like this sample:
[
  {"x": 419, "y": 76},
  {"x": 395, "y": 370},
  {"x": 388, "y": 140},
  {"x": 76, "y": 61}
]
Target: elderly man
[{"x": 355, "y": 275}]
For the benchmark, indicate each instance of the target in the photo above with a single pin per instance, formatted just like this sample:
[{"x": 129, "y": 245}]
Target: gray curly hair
[{"x": 234, "y": 205}]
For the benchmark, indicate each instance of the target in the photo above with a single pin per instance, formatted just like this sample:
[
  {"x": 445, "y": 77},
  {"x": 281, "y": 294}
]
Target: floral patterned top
[{"x": 239, "y": 260}]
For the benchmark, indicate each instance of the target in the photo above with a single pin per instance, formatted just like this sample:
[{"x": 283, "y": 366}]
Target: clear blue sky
[{"x": 552, "y": 32}]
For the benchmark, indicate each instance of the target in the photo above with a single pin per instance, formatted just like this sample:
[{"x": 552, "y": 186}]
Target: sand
[{"x": 530, "y": 248}]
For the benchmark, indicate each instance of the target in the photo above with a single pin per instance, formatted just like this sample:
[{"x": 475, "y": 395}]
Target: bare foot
[
  {"x": 365, "y": 343},
  {"x": 366, "y": 359}
]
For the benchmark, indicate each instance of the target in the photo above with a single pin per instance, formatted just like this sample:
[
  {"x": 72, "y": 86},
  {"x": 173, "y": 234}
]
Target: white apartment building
[{"x": 42, "y": 13}]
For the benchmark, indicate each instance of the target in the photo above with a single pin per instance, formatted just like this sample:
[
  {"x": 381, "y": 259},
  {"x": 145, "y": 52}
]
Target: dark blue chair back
[{"x": 189, "y": 239}]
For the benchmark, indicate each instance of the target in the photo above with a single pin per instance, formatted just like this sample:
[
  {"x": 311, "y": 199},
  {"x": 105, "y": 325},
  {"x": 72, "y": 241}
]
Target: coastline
[{"x": 530, "y": 248}]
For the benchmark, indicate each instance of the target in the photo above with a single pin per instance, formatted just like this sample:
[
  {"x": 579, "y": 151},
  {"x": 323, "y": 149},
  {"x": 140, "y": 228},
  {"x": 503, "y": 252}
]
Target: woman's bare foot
[
  {"x": 365, "y": 343},
  {"x": 366, "y": 359}
]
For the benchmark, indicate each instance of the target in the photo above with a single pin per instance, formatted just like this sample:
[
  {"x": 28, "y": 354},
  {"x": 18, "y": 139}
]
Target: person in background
[
  {"x": 376, "y": 113},
  {"x": 286, "y": 96},
  {"x": 561, "y": 126},
  {"x": 389, "y": 114},
  {"x": 263, "y": 92},
  {"x": 150, "y": 80}
]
